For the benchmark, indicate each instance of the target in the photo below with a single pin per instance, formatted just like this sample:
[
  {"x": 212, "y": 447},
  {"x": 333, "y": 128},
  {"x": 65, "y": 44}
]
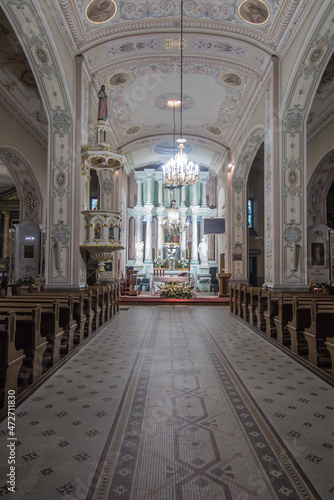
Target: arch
[
  {"x": 41, "y": 51},
  {"x": 239, "y": 239},
  {"x": 31, "y": 201},
  {"x": 293, "y": 175},
  {"x": 317, "y": 189}
]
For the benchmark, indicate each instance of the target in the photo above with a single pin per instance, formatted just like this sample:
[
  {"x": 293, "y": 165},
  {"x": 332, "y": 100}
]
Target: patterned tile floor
[{"x": 175, "y": 403}]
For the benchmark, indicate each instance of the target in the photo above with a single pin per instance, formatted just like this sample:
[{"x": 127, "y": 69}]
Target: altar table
[{"x": 155, "y": 281}]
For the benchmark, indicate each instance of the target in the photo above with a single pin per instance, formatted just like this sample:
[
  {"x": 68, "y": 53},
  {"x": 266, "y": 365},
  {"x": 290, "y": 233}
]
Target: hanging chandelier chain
[
  {"x": 179, "y": 171},
  {"x": 181, "y": 70}
]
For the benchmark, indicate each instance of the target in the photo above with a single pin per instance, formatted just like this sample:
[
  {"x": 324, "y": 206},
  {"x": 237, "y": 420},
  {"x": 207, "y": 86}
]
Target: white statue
[
  {"x": 139, "y": 253},
  {"x": 203, "y": 251}
]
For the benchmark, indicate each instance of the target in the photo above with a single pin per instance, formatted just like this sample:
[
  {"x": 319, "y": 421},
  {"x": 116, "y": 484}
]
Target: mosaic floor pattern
[{"x": 175, "y": 403}]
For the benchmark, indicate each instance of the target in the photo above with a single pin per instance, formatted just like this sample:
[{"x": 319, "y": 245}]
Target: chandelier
[
  {"x": 179, "y": 171},
  {"x": 172, "y": 224}
]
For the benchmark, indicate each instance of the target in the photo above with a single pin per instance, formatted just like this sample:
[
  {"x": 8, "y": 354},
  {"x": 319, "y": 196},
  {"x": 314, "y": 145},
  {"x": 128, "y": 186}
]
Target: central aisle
[{"x": 176, "y": 403}]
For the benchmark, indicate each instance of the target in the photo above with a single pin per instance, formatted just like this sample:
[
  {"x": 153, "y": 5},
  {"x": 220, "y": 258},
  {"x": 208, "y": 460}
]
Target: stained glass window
[{"x": 250, "y": 213}]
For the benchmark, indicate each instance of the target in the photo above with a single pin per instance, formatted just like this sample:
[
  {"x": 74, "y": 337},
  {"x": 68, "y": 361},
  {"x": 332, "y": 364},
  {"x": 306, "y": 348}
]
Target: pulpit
[{"x": 224, "y": 287}]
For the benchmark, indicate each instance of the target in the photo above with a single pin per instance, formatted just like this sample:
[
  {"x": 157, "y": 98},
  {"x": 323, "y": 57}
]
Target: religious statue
[
  {"x": 97, "y": 231},
  {"x": 203, "y": 251},
  {"x": 139, "y": 253},
  {"x": 103, "y": 108}
]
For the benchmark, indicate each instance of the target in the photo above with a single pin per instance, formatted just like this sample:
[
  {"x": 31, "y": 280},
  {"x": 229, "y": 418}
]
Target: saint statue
[
  {"x": 139, "y": 253},
  {"x": 203, "y": 251},
  {"x": 102, "y": 113}
]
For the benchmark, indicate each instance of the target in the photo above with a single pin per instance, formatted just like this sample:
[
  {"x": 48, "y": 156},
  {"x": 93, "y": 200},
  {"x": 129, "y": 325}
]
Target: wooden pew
[
  {"x": 11, "y": 358},
  {"x": 80, "y": 311},
  {"x": 330, "y": 347},
  {"x": 28, "y": 337},
  {"x": 101, "y": 301},
  {"x": 66, "y": 314},
  {"x": 301, "y": 319},
  {"x": 232, "y": 298},
  {"x": 246, "y": 301},
  {"x": 240, "y": 299},
  {"x": 49, "y": 328},
  {"x": 321, "y": 325},
  {"x": 253, "y": 301},
  {"x": 283, "y": 316}
]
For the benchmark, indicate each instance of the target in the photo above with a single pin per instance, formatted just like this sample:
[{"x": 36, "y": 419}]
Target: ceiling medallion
[
  {"x": 133, "y": 130},
  {"x": 231, "y": 79},
  {"x": 213, "y": 130},
  {"x": 254, "y": 11},
  {"x": 164, "y": 103},
  {"x": 119, "y": 79},
  {"x": 100, "y": 11}
]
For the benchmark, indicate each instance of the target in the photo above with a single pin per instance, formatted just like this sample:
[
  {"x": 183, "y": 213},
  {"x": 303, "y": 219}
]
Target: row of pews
[
  {"x": 301, "y": 321},
  {"x": 39, "y": 329}
]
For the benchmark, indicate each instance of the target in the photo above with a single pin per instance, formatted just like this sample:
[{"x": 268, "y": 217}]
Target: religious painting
[
  {"x": 171, "y": 238},
  {"x": 254, "y": 11},
  {"x": 118, "y": 79},
  {"x": 100, "y": 11},
  {"x": 231, "y": 79},
  {"x": 28, "y": 252},
  {"x": 318, "y": 254},
  {"x": 112, "y": 232}
]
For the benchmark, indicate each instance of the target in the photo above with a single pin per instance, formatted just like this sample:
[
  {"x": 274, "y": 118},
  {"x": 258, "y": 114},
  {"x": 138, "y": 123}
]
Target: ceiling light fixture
[
  {"x": 172, "y": 224},
  {"x": 179, "y": 171}
]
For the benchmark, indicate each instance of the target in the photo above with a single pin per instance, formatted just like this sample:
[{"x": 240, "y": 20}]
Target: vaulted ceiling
[{"x": 133, "y": 48}]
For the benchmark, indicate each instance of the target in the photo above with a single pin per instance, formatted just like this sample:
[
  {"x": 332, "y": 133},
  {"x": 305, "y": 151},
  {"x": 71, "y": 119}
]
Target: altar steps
[{"x": 148, "y": 300}]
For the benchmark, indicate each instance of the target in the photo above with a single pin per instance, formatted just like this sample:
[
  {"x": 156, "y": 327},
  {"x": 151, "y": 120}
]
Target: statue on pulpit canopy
[
  {"x": 102, "y": 113},
  {"x": 139, "y": 253},
  {"x": 203, "y": 251}
]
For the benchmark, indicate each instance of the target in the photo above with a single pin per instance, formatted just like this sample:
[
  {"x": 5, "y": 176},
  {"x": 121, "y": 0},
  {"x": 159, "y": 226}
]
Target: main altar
[{"x": 170, "y": 276}]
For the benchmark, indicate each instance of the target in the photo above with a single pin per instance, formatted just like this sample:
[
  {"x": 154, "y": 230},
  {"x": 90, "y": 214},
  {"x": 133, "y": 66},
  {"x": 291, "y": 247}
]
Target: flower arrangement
[
  {"x": 183, "y": 263},
  {"x": 175, "y": 290},
  {"x": 25, "y": 280},
  {"x": 159, "y": 262}
]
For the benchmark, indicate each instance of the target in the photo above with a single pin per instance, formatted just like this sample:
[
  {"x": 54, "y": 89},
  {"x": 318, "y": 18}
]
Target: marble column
[
  {"x": 139, "y": 197},
  {"x": 148, "y": 240},
  {"x": 183, "y": 218},
  {"x": 5, "y": 252},
  {"x": 204, "y": 183},
  {"x": 183, "y": 196},
  {"x": 148, "y": 173},
  {"x": 194, "y": 194},
  {"x": 160, "y": 192},
  {"x": 139, "y": 228},
  {"x": 194, "y": 245},
  {"x": 160, "y": 234}
]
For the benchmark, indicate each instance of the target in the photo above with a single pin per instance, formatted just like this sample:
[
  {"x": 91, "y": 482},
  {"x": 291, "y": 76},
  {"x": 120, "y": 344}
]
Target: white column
[
  {"x": 148, "y": 240},
  {"x": 183, "y": 218},
  {"x": 160, "y": 192},
  {"x": 148, "y": 176},
  {"x": 160, "y": 238},
  {"x": 139, "y": 198},
  {"x": 139, "y": 228},
  {"x": 194, "y": 246},
  {"x": 194, "y": 193},
  {"x": 183, "y": 196},
  {"x": 204, "y": 183}
]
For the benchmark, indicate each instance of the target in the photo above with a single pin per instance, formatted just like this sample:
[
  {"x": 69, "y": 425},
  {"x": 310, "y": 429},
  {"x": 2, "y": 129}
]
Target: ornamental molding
[
  {"x": 116, "y": 28},
  {"x": 188, "y": 59}
]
